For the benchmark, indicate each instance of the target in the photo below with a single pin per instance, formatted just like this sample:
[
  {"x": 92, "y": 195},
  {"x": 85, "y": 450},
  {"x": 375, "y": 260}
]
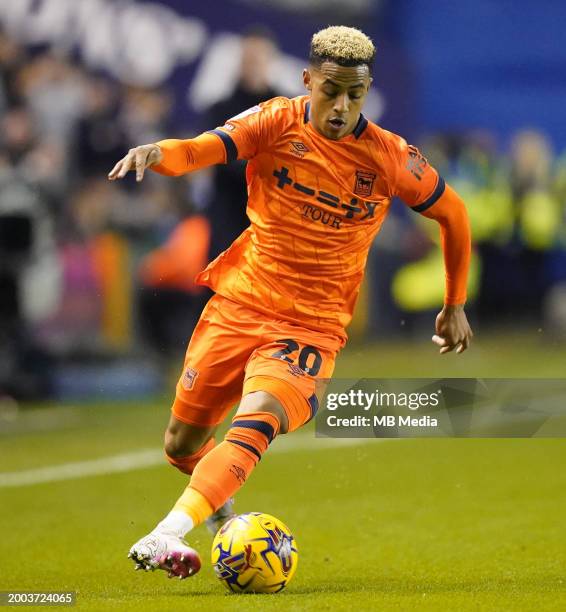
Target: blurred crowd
[
  {"x": 516, "y": 201},
  {"x": 74, "y": 265},
  {"x": 89, "y": 267}
]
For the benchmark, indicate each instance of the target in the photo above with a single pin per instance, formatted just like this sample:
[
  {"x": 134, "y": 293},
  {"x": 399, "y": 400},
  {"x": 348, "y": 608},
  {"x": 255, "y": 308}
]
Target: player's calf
[
  {"x": 183, "y": 452},
  {"x": 224, "y": 470}
]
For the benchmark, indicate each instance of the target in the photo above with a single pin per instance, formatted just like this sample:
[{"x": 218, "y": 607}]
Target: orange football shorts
[{"x": 235, "y": 350}]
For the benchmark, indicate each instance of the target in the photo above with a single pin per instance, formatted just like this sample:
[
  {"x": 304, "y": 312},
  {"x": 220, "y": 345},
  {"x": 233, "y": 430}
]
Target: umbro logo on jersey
[{"x": 298, "y": 148}]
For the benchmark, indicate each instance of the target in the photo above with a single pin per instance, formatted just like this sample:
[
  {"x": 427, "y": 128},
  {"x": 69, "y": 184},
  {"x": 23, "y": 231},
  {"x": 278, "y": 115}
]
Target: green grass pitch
[{"x": 387, "y": 525}]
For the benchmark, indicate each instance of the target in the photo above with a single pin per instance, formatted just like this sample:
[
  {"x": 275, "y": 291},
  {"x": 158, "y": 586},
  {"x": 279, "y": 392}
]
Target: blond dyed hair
[{"x": 343, "y": 45}]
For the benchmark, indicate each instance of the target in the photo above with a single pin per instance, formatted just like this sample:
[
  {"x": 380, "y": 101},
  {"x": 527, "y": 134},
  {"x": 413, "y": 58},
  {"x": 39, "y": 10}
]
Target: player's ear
[{"x": 307, "y": 79}]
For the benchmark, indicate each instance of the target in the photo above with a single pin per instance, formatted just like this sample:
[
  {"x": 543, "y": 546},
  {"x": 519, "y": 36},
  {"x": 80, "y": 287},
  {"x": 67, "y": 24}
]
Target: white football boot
[{"x": 167, "y": 552}]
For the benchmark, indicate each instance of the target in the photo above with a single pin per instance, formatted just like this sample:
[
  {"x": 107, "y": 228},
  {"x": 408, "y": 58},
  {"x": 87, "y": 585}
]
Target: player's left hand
[{"x": 452, "y": 330}]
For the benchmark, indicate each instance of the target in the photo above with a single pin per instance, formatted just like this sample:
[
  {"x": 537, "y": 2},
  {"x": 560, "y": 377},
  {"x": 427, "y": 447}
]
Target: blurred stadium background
[{"x": 96, "y": 292}]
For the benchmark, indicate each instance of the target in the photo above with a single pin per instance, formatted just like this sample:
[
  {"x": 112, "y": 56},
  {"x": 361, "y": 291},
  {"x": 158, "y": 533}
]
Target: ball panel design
[{"x": 254, "y": 553}]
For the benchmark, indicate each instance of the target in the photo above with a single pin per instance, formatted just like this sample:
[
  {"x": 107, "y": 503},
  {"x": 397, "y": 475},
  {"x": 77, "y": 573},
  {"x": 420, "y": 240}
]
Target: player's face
[{"x": 337, "y": 96}]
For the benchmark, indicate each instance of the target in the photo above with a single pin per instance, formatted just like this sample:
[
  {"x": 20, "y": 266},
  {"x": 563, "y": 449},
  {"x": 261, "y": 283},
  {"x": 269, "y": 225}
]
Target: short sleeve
[
  {"x": 252, "y": 131},
  {"x": 417, "y": 183}
]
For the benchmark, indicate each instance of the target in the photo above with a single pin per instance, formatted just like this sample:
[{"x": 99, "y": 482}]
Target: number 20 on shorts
[{"x": 309, "y": 358}]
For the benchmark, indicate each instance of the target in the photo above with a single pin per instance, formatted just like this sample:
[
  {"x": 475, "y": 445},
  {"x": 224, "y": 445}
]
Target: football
[{"x": 254, "y": 553}]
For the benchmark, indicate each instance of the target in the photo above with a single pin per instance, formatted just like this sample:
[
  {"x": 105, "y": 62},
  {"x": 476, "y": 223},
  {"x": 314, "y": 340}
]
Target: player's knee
[
  {"x": 261, "y": 401},
  {"x": 183, "y": 440},
  {"x": 177, "y": 447}
]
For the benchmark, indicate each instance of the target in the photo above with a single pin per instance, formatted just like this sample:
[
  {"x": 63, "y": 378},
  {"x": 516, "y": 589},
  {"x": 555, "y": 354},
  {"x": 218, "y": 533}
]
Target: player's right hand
[
  {"x": 137, "y": 159},
  {"x": 452, "y": 330}
]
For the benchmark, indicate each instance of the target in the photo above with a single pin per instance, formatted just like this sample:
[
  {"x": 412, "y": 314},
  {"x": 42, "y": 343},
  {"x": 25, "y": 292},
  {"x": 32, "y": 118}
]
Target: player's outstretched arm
[
  {"x": 172, "y": 157},
  {"x": 452, "y": 328}
]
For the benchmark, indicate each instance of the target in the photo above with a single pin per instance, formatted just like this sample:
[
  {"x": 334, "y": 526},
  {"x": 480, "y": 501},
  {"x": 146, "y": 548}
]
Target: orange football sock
[
  {"x": 224, "y": 470},
  {"x": 195, "y": 505},
  {"x": 187, "y": 464}
]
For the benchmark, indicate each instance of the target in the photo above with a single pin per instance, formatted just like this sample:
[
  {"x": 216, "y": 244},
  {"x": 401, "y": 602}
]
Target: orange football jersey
[{"x": 315, "y": 206}]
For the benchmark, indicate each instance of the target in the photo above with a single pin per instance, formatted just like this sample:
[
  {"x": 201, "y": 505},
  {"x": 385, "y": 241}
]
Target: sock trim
[
  {"x": 262, "y": 426},
  {"x": 246, "y": 446}
]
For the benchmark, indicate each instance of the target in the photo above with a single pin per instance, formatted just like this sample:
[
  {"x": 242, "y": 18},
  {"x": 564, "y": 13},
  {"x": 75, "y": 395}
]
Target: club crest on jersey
[
  {"x": 188, "y": 379},
  {"x": 364, "y": 183},
  {"x": 352, "y": 209},
  {"x": 299, "y": 148}
]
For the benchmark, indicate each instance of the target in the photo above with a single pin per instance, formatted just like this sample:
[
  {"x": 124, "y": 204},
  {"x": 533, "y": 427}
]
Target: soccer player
[{"x": 320, "y": 182}]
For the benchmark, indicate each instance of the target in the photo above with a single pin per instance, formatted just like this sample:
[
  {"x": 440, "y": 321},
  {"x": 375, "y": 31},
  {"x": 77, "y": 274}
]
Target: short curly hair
[{"x": 343, "y": 45}]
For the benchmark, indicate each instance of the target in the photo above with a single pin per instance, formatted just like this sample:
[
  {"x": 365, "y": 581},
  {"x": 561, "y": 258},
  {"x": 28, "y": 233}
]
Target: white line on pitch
[{"x": 152, "y": 457}]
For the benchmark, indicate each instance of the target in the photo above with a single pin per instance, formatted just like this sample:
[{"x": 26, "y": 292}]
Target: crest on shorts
[
  {"x": 188, "y": 379},
  {"x": 364, "y": 183}
]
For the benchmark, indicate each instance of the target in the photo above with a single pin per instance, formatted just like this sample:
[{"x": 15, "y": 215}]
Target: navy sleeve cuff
[
  {"x": 229, "y": 145},
  {"x": 438, "y": 191}
]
